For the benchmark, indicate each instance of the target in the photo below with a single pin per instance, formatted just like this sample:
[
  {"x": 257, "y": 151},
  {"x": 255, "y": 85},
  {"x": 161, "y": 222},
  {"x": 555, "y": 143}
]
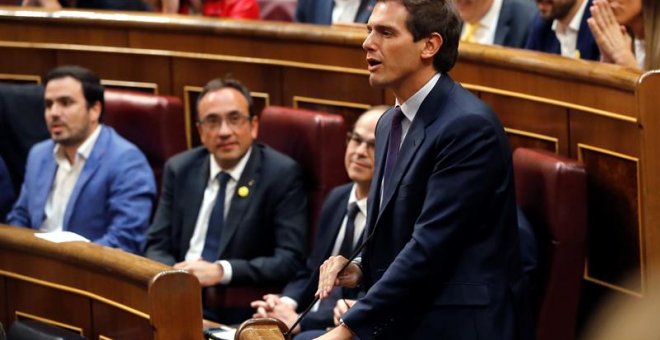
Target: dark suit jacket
[
  {"x": 7, "y": 196},
  {"x": 443, "y": 261},
  {"x": 543, "y": 38},
  {"x": 320, "y": 11},
  {"x": 22, "y": 124},
  {"x": 302, "y": 288},
  {"x": 513, "y": 23},
  {"x": 264, "y": 233}
]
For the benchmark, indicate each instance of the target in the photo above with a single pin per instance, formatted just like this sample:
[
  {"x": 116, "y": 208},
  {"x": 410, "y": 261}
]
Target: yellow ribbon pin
[{"x": 243, "y": 191}]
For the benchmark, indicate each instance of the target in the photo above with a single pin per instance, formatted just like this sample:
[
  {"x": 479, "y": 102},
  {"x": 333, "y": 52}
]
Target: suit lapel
[
  {"x": 44, "y": 185},
  {"x": 364, "y": 11},
  {"x": 428, "y": 113},
  {"x": 91, "y": 165},
  {"x": 382, "y": 140},
  {"x": 335, "y": 223},
  {"x": 503, "y": 24},
  {"x": 240, "y": 202},
  {"x": 193, "y": 194},
  {"x": 325, "y": 11}
]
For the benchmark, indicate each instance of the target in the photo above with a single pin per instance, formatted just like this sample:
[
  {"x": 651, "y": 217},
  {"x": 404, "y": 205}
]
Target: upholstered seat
[
  {"x": 155, "y": 124},
  {"x": 313, "y": 139},
  {"x": 551, "y": 191}
]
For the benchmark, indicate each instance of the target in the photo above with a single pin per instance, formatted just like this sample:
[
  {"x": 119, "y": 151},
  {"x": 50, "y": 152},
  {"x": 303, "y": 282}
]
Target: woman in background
[{"x": 612, "y": 20}]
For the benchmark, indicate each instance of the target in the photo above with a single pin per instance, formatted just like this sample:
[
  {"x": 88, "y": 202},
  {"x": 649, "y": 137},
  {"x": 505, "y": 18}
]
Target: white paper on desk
[
  {"x": 224, "y": 333},
  {"x": 61, "y": 236}
]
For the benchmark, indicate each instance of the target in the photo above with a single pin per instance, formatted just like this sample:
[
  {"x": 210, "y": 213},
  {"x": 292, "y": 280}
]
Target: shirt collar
[
  {"x": 361, "y": 203},
  {"x": 489, "y": 21},
  {"x": 411, "y": 106},
  {"x": 235, "y": 173},
  {"x": 84, "y": 150},
  {"x": 575, "y": 23}
]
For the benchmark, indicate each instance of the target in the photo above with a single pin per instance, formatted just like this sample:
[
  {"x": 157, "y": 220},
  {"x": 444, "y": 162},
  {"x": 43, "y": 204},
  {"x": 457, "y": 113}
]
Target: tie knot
[
  {"x": 397, "y": 116},
  {"x": 223, "y": 178},
  {"x": 470, "y": 30},
  {"x": 353, "y": 209}
]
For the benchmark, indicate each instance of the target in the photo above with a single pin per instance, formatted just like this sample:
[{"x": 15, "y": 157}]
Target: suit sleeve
[
  {"x": 289, "y": 222},
  {"x": 20, "y": 213},
  {"x": 159, "y": 242},
  {"x": 132, "y": 193},
  {"x": 303, "y": 286},
  {"x": 467, "y": 166}
]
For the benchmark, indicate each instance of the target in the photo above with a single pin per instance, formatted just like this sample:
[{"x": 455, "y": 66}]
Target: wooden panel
[
  {"x": 615, "y": 252},
  {"x": 257, "y": 77},
  {"x": 63, "y": 33},
  {"x": 114, "y": 323},
  {"x": 4, "y": 308},
  {"x": 574, "y": 92},
  {"x": 343, "y": 93},
  {"x": 26, "y": 61},
  {"x": 350, "y": 111},
  {"x": 13, "y": 78},
  {"x": 58, "y": 284},
  {"x": 60, "y": 307},
  {"x": 256, "y": 47},
  {"x": 122, "y": 66},
  {"x": 607, "y": 133},
  {"x": 532, "y": 124}
]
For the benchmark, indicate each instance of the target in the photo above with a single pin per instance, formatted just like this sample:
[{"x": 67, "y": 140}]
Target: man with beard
[
  {"x": 561, "y": 27},
  {"x": 86, "y": 179}
]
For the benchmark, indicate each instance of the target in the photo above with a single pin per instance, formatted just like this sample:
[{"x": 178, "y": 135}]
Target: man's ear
[
  {"x": 432, "y": 45},
  {"x": 95, "y": 111}
]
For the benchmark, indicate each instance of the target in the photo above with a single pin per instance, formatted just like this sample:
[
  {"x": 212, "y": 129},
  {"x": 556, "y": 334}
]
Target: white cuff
[
  {"x": 289, "y": 301},
  {"x": 226, "y": 268}
]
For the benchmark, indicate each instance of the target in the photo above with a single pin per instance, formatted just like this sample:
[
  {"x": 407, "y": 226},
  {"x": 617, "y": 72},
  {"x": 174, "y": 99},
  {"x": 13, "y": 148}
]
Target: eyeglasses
[
  {"x": 355, "y": 138},
  {"x": 214, "y": 121}
]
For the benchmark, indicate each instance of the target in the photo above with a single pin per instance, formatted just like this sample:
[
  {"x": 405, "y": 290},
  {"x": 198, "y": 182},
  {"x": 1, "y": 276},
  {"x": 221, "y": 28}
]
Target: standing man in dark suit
[
  {"x": 442, "y": 257},
  {"x": 496, "y": 22},
  {"x": 328, "y": 12},
  {"x": 232, "y": 212},
  {"x": 561, "y": 27},
  {"x": 348, "y": 201}
]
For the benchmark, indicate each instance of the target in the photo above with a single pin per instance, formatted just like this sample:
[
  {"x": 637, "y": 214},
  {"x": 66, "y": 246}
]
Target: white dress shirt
[
  {"x": 640, "y": 52},
  {"x": 360, "y": 223},
  {"x": 568, "y": 37},
  {"x": 345, "y": 10},
  {"x": 199, "y": 234},
  {"x": 485, "y": 32},
  {"x": 65, "y": 180}
]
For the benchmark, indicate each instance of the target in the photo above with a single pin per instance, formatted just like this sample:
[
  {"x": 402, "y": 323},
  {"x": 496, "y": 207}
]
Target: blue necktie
[
  {"x": 346, "y": 248},
  {"x": 216, "y": 221},
  {"x": 392, "y": 148}
]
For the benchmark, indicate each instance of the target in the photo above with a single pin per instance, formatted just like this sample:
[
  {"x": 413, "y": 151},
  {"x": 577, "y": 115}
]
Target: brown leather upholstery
[
  {"x": 316, "y": 141},
  {"x": 155, "y": 124},
  {"x": 551, "y": 191},
  {"x": 262, "y": 329}
]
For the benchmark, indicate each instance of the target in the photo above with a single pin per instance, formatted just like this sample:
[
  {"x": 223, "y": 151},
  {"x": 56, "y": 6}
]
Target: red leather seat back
[
  {"x": 155, "y": 124},
  {"x": 316, "y": 141},
  {"x": 551, "y": 191}
]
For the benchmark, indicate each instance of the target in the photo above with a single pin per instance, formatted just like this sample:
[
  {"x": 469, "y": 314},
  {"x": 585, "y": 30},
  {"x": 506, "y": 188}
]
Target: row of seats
[{"x": 551, "y": 190}]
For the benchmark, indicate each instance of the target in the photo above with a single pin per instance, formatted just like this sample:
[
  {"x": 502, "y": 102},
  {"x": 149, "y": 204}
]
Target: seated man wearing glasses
[
  {"x": 232, "y": 212},
  {"x": 345, "y": 209}
]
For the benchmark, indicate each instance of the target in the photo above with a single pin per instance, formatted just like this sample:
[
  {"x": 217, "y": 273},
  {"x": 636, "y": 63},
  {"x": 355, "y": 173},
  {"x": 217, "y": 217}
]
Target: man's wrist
[{"x": 345, "y": 326}]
